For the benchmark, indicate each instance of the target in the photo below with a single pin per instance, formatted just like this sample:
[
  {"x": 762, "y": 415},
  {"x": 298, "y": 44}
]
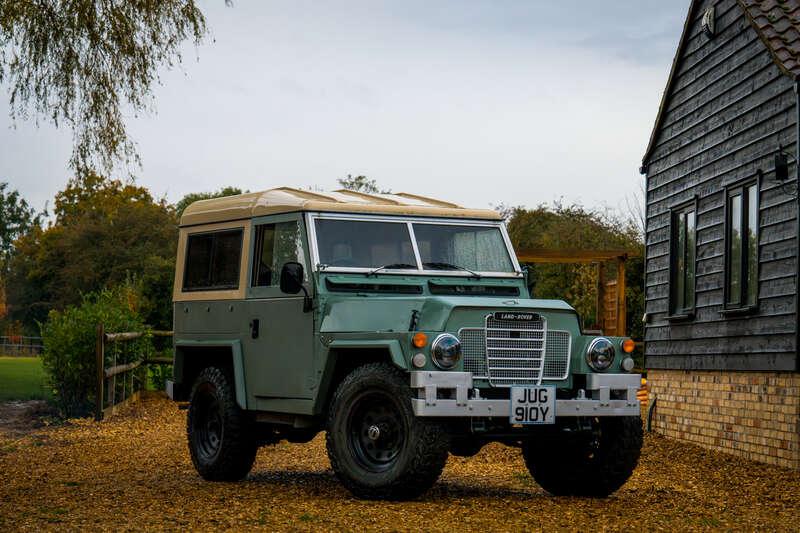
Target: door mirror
[{"x": 292, "y": 278}]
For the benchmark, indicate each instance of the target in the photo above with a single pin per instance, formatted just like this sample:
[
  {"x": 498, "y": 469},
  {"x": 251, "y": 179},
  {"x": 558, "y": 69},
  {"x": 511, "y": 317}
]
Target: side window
[
  {"x": 276, "y": 245},
  {"x": 212, "y": 261},
  {"x": 741, "y": 250},
  {"x": 682, "y": 260}
]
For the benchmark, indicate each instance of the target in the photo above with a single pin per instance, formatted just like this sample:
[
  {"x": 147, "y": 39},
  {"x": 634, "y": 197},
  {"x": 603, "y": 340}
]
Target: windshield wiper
[
  {"x": 392, "y": 266},
  {"x": 435, "y": 265}
]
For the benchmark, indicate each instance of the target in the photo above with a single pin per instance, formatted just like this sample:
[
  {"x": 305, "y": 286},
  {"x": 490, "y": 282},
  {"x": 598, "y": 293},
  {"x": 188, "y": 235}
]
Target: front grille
[
  {"x": 556, "y": 361},
  {"x": 515, "y": 351},
  {"x": 473, "y": 348}
]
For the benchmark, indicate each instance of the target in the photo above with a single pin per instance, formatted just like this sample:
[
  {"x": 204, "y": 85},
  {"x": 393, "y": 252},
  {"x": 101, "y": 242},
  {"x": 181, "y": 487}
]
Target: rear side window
[{"x": 213, "y": 261}]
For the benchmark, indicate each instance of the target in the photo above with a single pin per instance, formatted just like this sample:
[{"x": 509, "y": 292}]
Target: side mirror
[
  {"x": 526, "y": 274},
  {"x": 292, "y": 283},
  {"x": 292, "y": 278}
]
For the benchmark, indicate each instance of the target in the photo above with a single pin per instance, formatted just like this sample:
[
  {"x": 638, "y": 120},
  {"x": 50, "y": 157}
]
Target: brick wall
[{"x": 755, "y": 415}]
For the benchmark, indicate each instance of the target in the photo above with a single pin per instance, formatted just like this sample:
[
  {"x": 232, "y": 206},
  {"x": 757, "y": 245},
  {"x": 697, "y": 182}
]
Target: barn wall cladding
[{"x": 722, "y": 233}]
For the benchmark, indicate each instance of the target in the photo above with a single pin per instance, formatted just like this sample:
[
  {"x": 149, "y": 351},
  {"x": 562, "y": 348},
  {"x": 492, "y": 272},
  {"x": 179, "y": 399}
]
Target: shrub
[{"x": 69, "y": 338}]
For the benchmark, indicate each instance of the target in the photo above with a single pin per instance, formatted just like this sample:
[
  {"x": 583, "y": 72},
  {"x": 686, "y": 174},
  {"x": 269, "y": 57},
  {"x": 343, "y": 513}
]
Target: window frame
[
  {"x": 213, "y": 288},
  {"x": 685, "y": 313},
  {"x": 311, "y": 218},
  {"x": 274, "y": 291},
  {"x": 733, "y": 189}
]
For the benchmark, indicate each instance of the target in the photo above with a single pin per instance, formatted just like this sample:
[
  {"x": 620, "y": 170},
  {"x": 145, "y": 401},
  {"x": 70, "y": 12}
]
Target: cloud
[{"x": 478, "y": 102}]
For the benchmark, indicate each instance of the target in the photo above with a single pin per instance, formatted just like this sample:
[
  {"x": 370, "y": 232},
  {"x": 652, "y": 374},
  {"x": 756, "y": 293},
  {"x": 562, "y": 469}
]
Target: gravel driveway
[{"x": 133, "y": 472}]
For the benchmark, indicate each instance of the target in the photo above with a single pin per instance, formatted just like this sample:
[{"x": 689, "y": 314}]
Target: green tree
[
  {"x": 104, "y": 232},
  {"x": 69, "y": 340},
  {"x": 16, "y": 219},
  {"x": 576, "y": 227},
  {"x": 81, "y": 63},
  {"x": 190, "y": 198},
  {"x": 361, "y": 184}
]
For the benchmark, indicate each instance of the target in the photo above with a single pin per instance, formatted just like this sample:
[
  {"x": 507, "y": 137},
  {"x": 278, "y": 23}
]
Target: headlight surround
[
  {"x": 600, "y": 354},
  {"x": 446, "y": 351}
]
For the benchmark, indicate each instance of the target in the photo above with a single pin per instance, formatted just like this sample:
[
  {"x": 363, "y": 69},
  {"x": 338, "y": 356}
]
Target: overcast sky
[{"x": 478, "y": 102}]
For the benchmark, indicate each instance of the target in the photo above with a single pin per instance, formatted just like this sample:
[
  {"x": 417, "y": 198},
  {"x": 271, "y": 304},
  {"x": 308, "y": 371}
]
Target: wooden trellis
[{"x": 612, "y": 319}]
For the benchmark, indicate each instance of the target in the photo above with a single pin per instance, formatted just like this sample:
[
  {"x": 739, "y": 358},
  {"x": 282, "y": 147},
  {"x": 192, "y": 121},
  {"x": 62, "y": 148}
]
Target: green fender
[
  {"x": 393, "y": 345},
  {"x": 238, "y": 362}
]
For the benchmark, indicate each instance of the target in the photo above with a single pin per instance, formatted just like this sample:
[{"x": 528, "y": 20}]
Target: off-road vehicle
[{"x": 400, "y": 325}]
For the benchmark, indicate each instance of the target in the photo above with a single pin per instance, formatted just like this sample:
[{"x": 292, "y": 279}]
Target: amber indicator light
[
  {"x": 628, "y": 345},
  {"x": 419, "y": 340}
]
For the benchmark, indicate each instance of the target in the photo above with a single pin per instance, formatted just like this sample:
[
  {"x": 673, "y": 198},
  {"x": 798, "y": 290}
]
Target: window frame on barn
[
  {"x": 679, "y": 306},
  {"x": 745, "y": 300}
]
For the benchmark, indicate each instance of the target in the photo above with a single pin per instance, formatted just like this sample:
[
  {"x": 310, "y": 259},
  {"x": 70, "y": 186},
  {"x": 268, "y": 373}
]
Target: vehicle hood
[{"x": 351, "y": 314}]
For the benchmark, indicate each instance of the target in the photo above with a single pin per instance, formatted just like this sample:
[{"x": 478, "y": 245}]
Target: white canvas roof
[{"x": 287, "y": 199}]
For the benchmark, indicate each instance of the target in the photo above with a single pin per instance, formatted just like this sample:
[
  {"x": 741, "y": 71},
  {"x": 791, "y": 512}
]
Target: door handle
[{"x": 254, "y": 328}]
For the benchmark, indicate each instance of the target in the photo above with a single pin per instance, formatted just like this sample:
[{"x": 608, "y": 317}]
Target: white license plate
[{"x": 533, "y": 405}]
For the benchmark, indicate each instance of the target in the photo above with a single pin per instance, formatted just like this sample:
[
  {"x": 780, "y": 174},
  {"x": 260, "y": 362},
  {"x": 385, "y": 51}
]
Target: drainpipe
[{"x": 797, "y": 224}]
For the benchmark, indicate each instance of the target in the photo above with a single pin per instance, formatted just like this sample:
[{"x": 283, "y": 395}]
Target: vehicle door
[{"x": 278, "y": 339}]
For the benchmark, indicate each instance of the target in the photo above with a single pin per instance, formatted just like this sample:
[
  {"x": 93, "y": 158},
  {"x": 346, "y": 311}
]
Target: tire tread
[
  {"x": 239, "y": 446},
  {"x": 429, "y": 453}
]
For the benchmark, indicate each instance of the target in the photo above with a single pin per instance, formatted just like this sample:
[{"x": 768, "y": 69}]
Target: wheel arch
[
  {"x": 191, "y": 357},
  {"x": 344, "y": 356}
]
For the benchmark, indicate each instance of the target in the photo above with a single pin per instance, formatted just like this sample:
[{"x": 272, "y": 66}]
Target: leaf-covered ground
[{"x": 133, "y": 472}]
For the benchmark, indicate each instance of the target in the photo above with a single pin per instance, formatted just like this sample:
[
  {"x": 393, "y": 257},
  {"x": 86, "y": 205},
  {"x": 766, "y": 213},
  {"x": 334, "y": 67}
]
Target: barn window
[
  {"x": 682, "y": 260},
  {"x": 741, "y": 247},
  {"x": 212, "y": 260}
]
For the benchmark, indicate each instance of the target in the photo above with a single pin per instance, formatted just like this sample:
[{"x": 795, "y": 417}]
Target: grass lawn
[{"x": 22, "y": 378}]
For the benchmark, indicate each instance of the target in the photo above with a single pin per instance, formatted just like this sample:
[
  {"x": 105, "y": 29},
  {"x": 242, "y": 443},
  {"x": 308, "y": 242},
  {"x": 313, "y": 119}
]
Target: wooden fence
[
  {"x": 121, "y": 383},
  {"x": 19, "y": 346}
]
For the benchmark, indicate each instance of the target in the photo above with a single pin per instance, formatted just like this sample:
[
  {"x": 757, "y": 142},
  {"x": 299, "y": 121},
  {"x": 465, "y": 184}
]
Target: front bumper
[{"x": 467, "y": 403}]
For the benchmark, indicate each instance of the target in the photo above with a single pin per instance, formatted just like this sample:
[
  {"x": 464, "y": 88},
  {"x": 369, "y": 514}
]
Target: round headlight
[
  {"x": 600, "y": 354},
  {"x": 446, "y": 351}
]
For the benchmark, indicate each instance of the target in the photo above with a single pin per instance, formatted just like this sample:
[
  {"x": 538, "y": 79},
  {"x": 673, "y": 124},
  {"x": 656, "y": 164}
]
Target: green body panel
[
  {"x": 289, "y": 366},
  {"x": 280, "y": 363},
  {"x": 392, "y": 346}
]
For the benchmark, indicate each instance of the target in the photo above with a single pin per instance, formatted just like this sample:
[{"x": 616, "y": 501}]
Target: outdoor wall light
[{"x": 781, "y": 166}]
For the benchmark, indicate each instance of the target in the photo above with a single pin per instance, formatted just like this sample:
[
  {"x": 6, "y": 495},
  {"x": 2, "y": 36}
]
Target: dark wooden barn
[{"x": 722, "y": 233}]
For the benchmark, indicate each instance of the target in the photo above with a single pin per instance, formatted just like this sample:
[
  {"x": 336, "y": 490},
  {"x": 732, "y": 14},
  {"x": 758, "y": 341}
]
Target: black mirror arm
[{"x": 308, "y": 303}]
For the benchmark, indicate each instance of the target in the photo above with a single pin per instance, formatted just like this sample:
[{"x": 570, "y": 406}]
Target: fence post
[{"x": 101, "y": 370}]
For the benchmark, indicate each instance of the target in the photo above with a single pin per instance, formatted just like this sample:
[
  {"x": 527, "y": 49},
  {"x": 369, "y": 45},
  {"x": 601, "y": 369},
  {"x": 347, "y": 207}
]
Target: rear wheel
[
  {"x": 377, "y": 447},
  {"x": 222, "y": 440},
  {"x": 593, "y": 462}
]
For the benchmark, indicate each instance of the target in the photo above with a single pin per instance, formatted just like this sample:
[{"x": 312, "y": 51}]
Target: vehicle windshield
[
  {"x": 365, "y": 244},
  {"x": 388, "y": 246},
  {"x": 450, "y": 247}
]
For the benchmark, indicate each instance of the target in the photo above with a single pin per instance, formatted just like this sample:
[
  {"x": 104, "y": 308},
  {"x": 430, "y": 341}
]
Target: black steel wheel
[
  {"x": 220, "y": 435},
  {"x": 377, "y": 447},
  {"x": 207, "y": 423},
  {"x": 376, "y": 430},
  {"x": 594, "y": 460}
]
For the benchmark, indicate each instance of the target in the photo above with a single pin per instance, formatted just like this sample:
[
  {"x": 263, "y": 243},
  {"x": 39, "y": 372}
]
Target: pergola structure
[{"x": 598, "y": 257}]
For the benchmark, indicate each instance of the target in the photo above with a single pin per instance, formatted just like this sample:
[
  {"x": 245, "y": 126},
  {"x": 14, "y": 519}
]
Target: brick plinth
[{"x": 755, "y": 415}]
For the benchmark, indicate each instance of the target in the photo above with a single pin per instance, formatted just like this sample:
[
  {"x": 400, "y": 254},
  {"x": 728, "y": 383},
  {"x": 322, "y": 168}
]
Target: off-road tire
[
  {"x": 593, "y": 464},
  {"x": 380, "y": 392},
  {"x": 229, "y": 453}
]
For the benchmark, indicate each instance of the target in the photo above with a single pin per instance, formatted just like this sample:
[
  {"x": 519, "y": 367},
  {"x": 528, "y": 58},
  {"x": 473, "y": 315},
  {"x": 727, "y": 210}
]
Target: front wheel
[
  {"x": 222, "y": 441},
  {"x": 377, "y": 447},
  {"x": 593, "y": 461}
]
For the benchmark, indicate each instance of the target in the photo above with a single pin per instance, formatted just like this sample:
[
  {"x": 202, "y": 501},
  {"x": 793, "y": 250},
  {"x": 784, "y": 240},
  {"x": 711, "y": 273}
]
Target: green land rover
[{"x": 400, "y": 325}]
